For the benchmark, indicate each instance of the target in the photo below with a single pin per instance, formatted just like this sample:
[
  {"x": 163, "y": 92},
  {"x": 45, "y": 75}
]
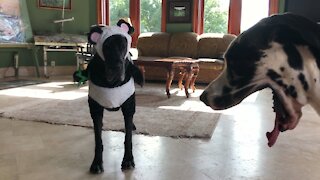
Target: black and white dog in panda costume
[{"x": 111, "y": 75}]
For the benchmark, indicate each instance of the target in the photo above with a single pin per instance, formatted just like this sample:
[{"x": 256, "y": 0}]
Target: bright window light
[{"x": 252, "y": 11}]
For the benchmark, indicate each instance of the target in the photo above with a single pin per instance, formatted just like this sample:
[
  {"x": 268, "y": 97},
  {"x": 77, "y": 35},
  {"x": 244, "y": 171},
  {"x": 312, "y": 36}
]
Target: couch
[{"x": 207, "y": 49}]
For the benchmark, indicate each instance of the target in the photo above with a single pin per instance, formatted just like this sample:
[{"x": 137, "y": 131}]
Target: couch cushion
[
  {"x": 227, "y": 39},
  {"x": 208, "y": 45},
  {"x": 213, "y": 45},
  {"x": 183, "y": 44},
  {"x": 153, "y": 44}
]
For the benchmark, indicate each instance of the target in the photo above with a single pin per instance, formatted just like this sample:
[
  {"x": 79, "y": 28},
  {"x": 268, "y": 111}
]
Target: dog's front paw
[
  {"x": 96, "y": 168},
  {"x": 127, "y": 164}
]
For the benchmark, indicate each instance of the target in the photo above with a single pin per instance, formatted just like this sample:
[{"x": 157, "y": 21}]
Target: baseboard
[{"x": 30, "y": 71}]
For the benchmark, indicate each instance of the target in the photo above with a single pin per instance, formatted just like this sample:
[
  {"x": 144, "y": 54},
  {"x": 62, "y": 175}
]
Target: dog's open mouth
[{"x": 285, "y": 118}]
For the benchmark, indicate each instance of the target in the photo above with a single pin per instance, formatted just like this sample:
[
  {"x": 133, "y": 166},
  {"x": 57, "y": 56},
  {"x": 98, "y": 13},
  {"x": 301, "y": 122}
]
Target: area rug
[
  {"x": 156, "y": 115},
  {"x": 18, "y": 83}
]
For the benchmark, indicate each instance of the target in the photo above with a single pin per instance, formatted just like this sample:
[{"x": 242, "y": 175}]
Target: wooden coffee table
[{"x": 188, "y": 71}]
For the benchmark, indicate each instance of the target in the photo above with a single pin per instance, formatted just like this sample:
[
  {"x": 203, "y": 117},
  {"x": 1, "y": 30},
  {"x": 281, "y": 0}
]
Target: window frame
[
  {"x": 234, "y": 19},
  {"x": 103, "y": 16}
]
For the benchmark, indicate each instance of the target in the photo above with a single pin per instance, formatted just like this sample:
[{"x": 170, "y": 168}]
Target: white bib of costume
[{"x": 111, "y": 97}]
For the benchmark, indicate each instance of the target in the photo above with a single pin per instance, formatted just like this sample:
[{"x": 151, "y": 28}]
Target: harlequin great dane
[{"x": 281, "y": 52}]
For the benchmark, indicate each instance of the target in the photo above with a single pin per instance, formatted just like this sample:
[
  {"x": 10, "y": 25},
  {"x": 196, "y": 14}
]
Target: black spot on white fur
[
  {"x": 291, "y": 91},
  {"x": 294, "y": 57},
  {"x": 273, "y": 75},
  {"x": 303, "y": 81}
]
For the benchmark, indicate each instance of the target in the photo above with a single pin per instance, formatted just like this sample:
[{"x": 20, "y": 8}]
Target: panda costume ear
[
  {"x": 95, "y": 34},
  {"x": 125, "y": 26}
]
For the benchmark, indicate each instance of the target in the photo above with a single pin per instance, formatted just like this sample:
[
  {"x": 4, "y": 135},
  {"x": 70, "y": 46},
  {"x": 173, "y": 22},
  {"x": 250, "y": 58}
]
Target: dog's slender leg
[
  {"x": 128, "y": 109},
  {"x": 128, "y": 161},
  {"x": 96, "y": 112}
]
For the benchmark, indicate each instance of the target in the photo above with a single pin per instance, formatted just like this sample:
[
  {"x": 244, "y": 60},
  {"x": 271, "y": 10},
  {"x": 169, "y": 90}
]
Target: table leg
[
  {"x": 36, "y": 61},
  {"x": 45, "y": 62},
  {"x": 170, "y": 74},
  {"x": 182, "y": 75},
  {"x": 187, "y": 82},
  {"x": 195, "y": 72},
  {"x": 16, "y": 64}
]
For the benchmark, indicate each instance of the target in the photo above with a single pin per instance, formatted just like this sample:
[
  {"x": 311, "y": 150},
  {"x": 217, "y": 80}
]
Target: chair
[{"x": 84, "y": 55}]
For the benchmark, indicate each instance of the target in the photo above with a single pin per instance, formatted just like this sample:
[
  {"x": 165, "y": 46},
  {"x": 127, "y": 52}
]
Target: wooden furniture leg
[
  {"x": 188, "y": 71},
  {"x": 195, "y": 72},
  {"x": 187, "y": 82},
  {"x": 170, "y": 74},
  {"x": 181, "y": 77}
]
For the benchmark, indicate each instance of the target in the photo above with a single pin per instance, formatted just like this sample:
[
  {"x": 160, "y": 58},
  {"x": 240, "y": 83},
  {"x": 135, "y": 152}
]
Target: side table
[{"x": 188, "y": 71}]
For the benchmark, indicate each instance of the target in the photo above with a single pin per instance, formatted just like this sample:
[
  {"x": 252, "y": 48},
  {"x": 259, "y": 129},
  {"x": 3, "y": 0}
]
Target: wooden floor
[{"x": 237, "y": 150}]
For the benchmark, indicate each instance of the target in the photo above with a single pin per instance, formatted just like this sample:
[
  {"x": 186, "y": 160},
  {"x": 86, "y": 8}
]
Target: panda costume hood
[
  {"x": 111, "y": 72},
  {"x": 108, "y": 31}
]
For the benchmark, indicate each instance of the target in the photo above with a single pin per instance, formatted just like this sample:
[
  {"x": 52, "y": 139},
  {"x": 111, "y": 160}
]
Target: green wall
[
  {"x": 84, "y": 12},
  {"x": 179, "y": 27},
  {"x": 6, "y": 57},
  {"x": 41, "y": 20}
]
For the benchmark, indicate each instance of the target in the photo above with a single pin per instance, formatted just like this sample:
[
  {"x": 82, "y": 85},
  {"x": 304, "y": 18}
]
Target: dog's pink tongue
[{"x": 272, "y": 136}]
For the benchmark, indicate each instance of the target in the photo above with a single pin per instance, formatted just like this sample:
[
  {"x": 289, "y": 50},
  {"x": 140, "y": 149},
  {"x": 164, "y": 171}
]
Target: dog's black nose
[{"x": 203, "y": 98}]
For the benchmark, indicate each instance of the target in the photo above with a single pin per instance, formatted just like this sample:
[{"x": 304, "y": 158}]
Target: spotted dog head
[
  {"x": 112, "y": 44},
  {"x": 281, "y": 52}
]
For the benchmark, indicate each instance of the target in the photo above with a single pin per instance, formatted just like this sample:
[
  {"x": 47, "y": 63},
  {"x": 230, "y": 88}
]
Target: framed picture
[
  {"x": 179, "y": 12},
  {"x": 55, "y": 4}
]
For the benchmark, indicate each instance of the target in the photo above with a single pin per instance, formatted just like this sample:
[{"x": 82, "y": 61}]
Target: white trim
[{"x": 30, "y": 71}]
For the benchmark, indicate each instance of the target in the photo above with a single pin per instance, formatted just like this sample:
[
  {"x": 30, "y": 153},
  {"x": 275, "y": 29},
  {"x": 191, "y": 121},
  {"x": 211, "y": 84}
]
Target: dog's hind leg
[
  {"x": 96, "y": 112},
  {"x": 128, "y": 110}
]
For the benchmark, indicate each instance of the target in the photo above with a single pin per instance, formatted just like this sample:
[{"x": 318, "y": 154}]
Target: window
[
  {"x": 253, "y": 11},
  {"x": 150, "y": 16},
  {"x": 216, "y": 16},
  {"x": 118, "y": 9}
]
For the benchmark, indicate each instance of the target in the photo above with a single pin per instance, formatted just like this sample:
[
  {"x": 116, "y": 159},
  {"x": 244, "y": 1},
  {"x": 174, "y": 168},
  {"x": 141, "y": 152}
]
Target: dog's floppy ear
[
  {"x": 95, "y": 34},
  {"x": 125, "y": 26}
]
